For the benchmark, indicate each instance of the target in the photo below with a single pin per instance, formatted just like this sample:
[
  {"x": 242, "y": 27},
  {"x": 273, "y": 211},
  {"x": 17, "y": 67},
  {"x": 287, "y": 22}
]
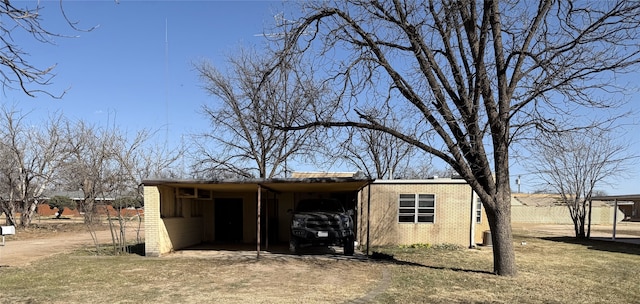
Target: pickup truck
[{"x": 321, "y": 222}]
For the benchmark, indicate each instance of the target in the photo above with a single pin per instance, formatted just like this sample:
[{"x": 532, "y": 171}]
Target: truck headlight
[{"x": 297, "y": 223}]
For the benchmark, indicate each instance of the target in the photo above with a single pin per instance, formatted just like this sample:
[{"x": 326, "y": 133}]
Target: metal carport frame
[{"x": 616, "y": 199}]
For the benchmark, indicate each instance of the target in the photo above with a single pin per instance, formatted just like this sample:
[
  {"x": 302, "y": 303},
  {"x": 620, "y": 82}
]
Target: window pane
[
  {"x": 426, "y": 200},
  {"x": 407, "y": 204},
  {"x": 426, "y": 210},
  {"x": 425, "y": 218},
  {"x": 426, "y": 196},
  {"x": 426, "y": 203},
  {"x": 407, "y": 196},
  {"x": 410, "y": 211},
  {"x": 406, "y": 219}
]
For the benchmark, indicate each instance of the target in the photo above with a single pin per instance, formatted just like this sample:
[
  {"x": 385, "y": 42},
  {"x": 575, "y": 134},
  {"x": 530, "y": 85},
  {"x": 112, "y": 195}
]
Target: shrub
[{"x": 61, "y": 202}]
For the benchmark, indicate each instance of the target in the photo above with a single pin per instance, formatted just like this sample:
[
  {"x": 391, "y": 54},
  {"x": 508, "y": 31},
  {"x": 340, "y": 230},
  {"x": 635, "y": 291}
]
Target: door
[
  {"x": 228, "y": 220},
  {"x": 269, "y": 222}
]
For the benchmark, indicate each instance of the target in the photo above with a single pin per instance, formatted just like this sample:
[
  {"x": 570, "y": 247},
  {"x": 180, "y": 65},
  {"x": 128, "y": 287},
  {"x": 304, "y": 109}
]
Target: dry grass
[
  {"x": 48, "y": 227},
  {"x": 81, "y": 278},
  {"x": 551, "y": 270}
]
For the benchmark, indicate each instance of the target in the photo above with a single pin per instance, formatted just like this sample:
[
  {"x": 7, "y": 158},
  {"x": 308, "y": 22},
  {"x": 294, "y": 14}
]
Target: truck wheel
[
  {"x": 293, "y": 245},
  {"x": 348, "y": 245}
]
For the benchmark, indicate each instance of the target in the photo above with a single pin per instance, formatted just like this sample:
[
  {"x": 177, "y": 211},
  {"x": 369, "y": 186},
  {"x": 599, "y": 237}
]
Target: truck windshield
[{"x": 320, "y": 205}]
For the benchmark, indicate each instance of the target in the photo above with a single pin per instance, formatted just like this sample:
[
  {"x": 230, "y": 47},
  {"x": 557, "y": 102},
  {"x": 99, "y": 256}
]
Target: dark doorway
[
  {"x": 269, "y": 222},
  {"x": 228, "y": 220}
]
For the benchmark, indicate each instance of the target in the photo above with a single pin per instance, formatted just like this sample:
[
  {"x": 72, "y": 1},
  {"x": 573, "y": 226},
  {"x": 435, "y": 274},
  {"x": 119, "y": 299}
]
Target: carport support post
[
  {"x": 368, "y": 215},
  {"x": 615, "y": 218},
  {"x": 258, "y": 222}
]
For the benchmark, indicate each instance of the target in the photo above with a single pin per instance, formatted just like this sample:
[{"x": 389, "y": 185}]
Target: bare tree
[
  {"x": 475, "y": 75},
  {"x": 33, "y": 157},
  {"x": 16, "y": 72},
  {"x": 377, "y": 154},
  {"x": 574, "y": 163},
  {"x": 101, "y": 163},
  {"x": 107, "y": 163},
  {"x": 142, "y": 161},
  {"x": 89, "y": 157},
  {"x": 251, "y": 101},
  {"x": 156, "y": 161},
  {"x": 425, "y": 170},
  {"x": 8, "y": 184}
]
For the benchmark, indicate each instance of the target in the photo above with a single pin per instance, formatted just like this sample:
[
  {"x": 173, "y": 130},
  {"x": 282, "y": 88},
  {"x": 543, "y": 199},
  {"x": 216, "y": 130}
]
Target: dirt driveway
[{"x": 20, "y": 252}]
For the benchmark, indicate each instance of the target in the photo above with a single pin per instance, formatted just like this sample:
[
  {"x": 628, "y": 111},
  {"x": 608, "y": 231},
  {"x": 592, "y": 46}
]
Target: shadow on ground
[
  {"x": 389, "y": 259},
  {"x": 279, "y": 248},
  {"x": 620, "y": 246},
  {"x": 281, "y": 252},
  {"x": 136, "y": 249}
]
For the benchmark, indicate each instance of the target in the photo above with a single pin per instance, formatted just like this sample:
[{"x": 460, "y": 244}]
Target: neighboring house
[
  {"x": 541, "y": 208},
  {"x": 103, "y": 205},
  {"x": 180, "y": 214}
]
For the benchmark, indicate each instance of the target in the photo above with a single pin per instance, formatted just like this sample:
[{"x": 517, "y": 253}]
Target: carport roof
[
  {"x": 323, "y": 184},
  {"x": 626, "y": 197}
]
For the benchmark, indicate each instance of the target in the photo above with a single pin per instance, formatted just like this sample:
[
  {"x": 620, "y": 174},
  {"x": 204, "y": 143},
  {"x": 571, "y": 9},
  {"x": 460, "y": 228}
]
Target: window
[
  {"x": 186, "y": 192},
  {"x": 417, "y": 208},
  {"x": 478, "y": 211}
]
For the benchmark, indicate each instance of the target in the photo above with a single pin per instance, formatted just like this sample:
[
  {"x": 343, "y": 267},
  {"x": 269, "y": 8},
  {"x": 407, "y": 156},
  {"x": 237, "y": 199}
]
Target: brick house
[
  {"x": 180, "y": 214},
  {"x": 103, "y": 206}
]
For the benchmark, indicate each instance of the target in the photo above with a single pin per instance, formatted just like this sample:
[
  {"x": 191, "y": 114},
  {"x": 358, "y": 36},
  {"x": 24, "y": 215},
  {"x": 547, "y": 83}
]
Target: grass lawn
[{"x": 551, "y": 270}]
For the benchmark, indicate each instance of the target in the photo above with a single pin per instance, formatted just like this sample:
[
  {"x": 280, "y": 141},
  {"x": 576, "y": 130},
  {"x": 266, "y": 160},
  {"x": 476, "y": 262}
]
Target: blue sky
[{"x": 135, "y": 69}]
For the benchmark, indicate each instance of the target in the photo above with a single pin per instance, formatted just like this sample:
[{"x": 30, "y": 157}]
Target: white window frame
[
  {"x": 418, "y": 207},
  {"x": 478, "y": 211}
]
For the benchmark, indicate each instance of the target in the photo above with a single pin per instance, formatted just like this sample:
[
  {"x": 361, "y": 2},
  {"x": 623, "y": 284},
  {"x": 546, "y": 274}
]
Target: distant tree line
[{"x": 61, "y": 154}]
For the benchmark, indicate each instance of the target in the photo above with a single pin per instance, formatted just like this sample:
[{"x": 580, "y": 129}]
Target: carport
[
  {"x": 183, "y": 213},
  {"x": 617, "y": 199}
]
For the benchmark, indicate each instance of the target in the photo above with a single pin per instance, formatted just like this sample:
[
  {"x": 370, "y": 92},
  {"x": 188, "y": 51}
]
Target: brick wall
[
  {"x": 453, "y": 214},
  {"x": 45, "y": 210},
  {"x": 163, "y": 235},
  {"x": 152, "y": 221}
]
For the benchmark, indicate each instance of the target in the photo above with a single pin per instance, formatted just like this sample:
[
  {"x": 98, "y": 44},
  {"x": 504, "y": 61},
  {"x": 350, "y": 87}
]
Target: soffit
[
  {"x": 626, "y": 197},
  {"x": 277, "y": 185}
]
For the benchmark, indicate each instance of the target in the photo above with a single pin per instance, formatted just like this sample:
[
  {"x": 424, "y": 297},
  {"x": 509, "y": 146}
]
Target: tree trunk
[
  {"x": 578, "y": 227},
  {"x": 578, "y": 215},
  {"x": 504, "y": 260},
  {"x": 88, "y": 206},
  {"x": 9, "y": 213},
  {"x": 581, "y": 232},
  {"x": 27, "y": 213}
]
